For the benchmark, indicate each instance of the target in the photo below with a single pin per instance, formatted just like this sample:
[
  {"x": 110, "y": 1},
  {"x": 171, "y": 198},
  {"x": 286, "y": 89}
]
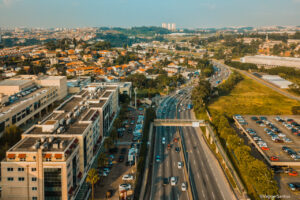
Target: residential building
[{"x": 62, "y": 147}]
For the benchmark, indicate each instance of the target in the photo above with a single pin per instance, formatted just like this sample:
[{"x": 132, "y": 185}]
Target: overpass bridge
[{"x": 179, "y": 122}]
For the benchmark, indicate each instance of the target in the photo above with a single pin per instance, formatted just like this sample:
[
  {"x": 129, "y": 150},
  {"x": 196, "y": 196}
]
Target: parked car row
[
  {"x": 293, "y": 154},
  {"x": 240, "y": 119},
  {"x": 262, "y": 144},
  {"x": 290, "y": 124}
]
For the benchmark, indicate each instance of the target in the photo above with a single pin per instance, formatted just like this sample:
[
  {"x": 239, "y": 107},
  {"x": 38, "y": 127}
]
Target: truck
[{"x": 190, "y": 106}]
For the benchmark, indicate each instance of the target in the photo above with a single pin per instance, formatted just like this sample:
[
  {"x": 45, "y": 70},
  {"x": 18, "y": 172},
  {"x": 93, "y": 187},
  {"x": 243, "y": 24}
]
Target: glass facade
[
  {"x": 84, "y": 153},
  {"x": 52, "y": 183}
]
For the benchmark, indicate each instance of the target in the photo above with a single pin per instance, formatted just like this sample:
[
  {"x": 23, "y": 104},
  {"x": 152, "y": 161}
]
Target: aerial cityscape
[{"x": 149, "y": 100}]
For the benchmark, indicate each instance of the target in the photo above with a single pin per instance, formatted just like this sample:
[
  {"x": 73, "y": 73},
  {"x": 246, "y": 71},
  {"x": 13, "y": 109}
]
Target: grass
[{"x": 250, "y": 97}]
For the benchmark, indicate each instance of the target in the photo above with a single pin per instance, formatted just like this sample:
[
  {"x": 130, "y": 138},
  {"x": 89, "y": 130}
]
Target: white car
[
  {"x": 183, "y": 187},
  {"x": 124, "y": 186},
  {"x": 180, "y": 164},
  {"x": 281, "y": 135},
  {"x": 173, "y": 180},
  {"x": 127, "y": 177},
  {"x": 163, "y": 141}
]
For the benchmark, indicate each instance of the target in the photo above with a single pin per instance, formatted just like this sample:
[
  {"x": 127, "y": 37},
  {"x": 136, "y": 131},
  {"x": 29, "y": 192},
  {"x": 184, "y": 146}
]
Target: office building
[{"x": 26, "y": 97}]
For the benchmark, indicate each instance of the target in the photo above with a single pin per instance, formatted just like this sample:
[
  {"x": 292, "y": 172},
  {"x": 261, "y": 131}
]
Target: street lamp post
[{"x": 135, "y": 91}]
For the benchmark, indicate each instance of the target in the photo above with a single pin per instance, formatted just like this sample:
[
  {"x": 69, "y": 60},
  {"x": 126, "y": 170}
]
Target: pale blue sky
[{"x": 127, "y": 13}]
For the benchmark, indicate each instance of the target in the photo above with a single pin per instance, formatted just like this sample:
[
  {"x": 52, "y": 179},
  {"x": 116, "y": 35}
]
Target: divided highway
[{"x": 208, "y": 180}]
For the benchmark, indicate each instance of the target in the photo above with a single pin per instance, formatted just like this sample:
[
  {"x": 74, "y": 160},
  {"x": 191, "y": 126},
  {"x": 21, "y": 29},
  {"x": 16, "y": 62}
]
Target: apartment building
[
  {"x": 84, "y": 119},
  {"x": 41, "y": 168},
  {"x": 25, "y": 97}
]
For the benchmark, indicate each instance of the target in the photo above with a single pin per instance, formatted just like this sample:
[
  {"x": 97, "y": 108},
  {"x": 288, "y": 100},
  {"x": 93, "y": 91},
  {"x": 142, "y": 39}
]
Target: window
[
  {"x": 23, "y": 159},
  {"x": 34, "y": 188},
  {"x": 21, "y": 169},
  {"x": 33, "y": 178},
  {"x": 34, "y": 198},
  {"x": 33, "y": 169},
  {"x": 21, "y": 179},
  {"x": 10, "y": 178},
  {"x": 48, "y": 159},
  {"x": 10, "y": 169}
]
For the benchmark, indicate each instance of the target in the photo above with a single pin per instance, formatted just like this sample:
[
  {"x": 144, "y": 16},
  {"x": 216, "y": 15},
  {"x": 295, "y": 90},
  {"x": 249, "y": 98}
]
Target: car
[
  {"x": 173, "y": 180},
  {"x": 281, "y": 135},
  {"x": 293, "y": 173},
  {"x": 265, "y": 148},
  {"x": 278, "y": 141},
  {"x": 157, "y": 158},
  {"x": 175, "y": 139},
  {"x": 121, "y": 158},
  {"x": 132, "y": 122},
  {"x": 177, "y": 149},
  {"x": 124, "y": 186},
  {"x": 179, "y": 164},
  {"x": 285, "y": 149},
  {"x": 274, "y": 158},
  {"x": 166, "y": 181},
  {"x": 169, "y": 146},
  {"x": 163, "y": 140},
  {"x": 292, "y": 186},
  {"x": 123, "y": 151},
  {"x": 287, "y": 140},
  {"x": 127, "y": 177},
  {"x": 183, "y": 187}
]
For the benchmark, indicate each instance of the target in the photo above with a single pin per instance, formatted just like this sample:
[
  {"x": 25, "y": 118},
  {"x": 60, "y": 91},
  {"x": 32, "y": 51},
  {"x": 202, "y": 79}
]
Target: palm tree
[{"x": 92, "y": 178}]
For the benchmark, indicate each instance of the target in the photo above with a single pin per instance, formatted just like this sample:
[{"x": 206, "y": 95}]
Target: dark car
[
  {"x": 123, "y": 151},
  {"x": 165, "y": 181},
  {"x": 113, "y": 150},
  {"x": 285, "y": 149},
  {"x": 121, "y": 158},
  {"x": 177, "y": 149}
]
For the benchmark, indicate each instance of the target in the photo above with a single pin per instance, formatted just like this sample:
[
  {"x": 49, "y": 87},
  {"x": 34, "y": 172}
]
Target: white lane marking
[
  {"x": 194, "y": 162},
  {"x": 213, "y": 195},
  {"x": 198, "y": 175}
]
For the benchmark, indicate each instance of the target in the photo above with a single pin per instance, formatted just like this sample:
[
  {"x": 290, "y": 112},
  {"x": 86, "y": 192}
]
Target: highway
[
  {"x": 208, "y": 179},
  {"x": 221, "y": 74},
  {"x": 167, "y": 167},
  {"x": 207, "y": 176}
]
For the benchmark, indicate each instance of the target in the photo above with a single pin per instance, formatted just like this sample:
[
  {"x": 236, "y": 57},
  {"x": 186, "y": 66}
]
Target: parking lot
[
  {"x": 118, "y": 157},
  {"x": 277, "y": 138}
]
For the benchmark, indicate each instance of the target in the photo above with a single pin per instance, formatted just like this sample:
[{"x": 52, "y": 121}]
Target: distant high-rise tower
[
  {"x": 164, "y": 25},
  {"x": 173, "y": 27},
  {"x": 169, "y": 26}
]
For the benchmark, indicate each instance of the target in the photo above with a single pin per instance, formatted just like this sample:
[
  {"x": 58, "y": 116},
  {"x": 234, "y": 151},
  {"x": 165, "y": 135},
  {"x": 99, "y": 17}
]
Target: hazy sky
[{"x": 127, "y": 13}]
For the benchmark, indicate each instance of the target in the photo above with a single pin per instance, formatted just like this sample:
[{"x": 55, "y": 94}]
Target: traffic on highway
[{"x": 169, "y": 179}]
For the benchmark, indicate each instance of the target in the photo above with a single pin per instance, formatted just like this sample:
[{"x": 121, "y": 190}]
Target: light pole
[{"x": 135, "y": 91}]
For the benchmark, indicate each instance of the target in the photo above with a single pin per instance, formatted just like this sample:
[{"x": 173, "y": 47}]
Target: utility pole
[{"x": 135, "y": 91}]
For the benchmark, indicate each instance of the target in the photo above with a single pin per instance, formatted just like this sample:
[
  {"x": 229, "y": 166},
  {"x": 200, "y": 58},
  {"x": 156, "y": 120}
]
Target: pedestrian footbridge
[{"x": 179, "y": 122}]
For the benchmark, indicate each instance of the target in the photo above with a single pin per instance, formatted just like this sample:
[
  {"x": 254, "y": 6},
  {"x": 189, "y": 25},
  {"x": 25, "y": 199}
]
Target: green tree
[
  {"x": 102, "y": 160},
  {"x": 92, "y": 178}
]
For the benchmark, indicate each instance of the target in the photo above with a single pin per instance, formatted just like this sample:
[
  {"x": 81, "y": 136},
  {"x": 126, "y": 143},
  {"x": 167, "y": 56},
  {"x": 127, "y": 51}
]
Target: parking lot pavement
[
  {"x": 119, "y": 169},
  {"x": 275, "y": 149},
  {"x": 114, "y": 178}
]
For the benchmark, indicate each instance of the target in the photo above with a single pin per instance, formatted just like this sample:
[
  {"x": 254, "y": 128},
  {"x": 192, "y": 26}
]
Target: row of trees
[
  {"x": 11, "y": 136},
  {"x": 258, "y": 178},
  {"x": 206, "y": 67},
  {"x": 149, "y": 87}
]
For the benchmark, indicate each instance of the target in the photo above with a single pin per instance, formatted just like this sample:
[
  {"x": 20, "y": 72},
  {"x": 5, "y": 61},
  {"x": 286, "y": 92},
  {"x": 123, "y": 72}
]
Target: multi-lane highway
[
  {"x": 206, "y": 174},
  {"x": 167, "y": 166},
  {"x": 208, "y": 180}
]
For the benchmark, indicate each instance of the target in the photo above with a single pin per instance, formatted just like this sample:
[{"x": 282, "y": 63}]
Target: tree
[
  {"x": 102, "y": 160},
  {"x": 92, "y": 178},
  {"x": 108, "y": 143}
]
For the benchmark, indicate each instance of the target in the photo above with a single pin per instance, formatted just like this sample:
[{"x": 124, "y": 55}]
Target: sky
[{"x": 129, "y": 13}]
